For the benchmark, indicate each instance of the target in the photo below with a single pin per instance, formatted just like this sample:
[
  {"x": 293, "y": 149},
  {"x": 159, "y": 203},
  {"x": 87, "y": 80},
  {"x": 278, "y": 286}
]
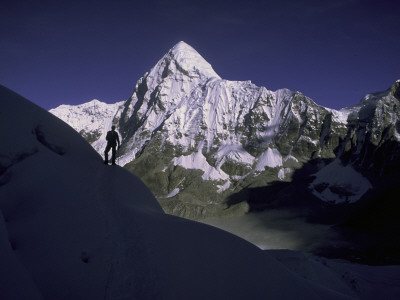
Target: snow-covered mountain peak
[
  {"x": 183, "y": 59},
  {"x": 383, "y": 96},
  {"x": 182, "y": 46},
  {"x": 190, "y": 60}
]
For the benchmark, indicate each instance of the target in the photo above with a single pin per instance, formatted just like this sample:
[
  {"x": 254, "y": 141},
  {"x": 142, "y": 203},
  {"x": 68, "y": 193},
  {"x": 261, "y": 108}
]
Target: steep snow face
[
  {"x": 270, "y": 158},
  {"x": 160, "y": 91},
  {"x": 73, "y": 228},
  {"x": 182, "y": 59}
]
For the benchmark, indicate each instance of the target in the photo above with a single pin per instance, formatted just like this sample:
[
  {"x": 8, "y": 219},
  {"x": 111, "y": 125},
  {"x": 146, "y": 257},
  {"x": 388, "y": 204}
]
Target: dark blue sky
[{"x": 69, "y": 52}]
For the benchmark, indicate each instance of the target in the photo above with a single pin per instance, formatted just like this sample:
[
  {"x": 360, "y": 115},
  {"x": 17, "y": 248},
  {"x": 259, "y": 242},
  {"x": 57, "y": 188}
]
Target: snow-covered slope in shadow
[{"x": 73, "y": 228}]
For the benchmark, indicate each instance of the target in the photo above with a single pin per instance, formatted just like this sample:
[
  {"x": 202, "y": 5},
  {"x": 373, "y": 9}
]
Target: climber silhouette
[{"x": 112, "y": 143}]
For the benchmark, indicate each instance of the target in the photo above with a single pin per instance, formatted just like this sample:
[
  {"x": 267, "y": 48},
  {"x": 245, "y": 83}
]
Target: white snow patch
[
  {"x": 290, "y": 157},
  {"x": 270, "y": 158},
  {"x": 189, "y": 59},
  {"x": 283, "y": 172},
  {"x": 235, "y": 153},
  {"x": 308, "y": 140},
  {"x": 198, "y": 161},
  {"x": 224, "y": 187},
  {"x": 340, "y": 116},
  {"x": 337, "y": 183},
  {"x": 173, "y": 193},
  {"x": 237, "y": 177},
  {"x": 397, "y": 135}
]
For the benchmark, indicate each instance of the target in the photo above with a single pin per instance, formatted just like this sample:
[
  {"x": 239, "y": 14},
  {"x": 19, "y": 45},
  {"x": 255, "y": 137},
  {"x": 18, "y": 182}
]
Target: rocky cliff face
[
  {"x": 198, "y": 141},
  {"x": 373, "y": 131}
]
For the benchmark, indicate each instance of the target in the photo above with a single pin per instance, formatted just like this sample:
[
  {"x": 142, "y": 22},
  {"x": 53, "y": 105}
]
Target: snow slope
[
  {"x": 339, "y": 183},
  {"x": 73, "y": 228},
  {"x": 367, "y": 282}
]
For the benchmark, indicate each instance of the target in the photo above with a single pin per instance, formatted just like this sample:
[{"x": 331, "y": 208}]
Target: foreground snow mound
[
  {"x": 73, "y": 228},
  {"x": 367, "y": 282}
]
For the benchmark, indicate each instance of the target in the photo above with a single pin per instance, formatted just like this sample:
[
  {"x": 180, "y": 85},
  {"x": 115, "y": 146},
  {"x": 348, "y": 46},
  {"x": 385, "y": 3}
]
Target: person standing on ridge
[{"x": 112, "y": 143}]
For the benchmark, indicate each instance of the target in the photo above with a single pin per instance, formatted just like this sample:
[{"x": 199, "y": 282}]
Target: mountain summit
[
  {"x": 181, "y": 63},
  {"x": 187, "y": 60}
]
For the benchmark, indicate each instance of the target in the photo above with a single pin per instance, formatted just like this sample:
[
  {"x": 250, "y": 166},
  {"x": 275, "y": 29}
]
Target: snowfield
[{"x": 73, "y": 228}]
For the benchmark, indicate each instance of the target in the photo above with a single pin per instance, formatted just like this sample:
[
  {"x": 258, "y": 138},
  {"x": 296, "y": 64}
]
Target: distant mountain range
[{"x": 197, "y": 140}]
